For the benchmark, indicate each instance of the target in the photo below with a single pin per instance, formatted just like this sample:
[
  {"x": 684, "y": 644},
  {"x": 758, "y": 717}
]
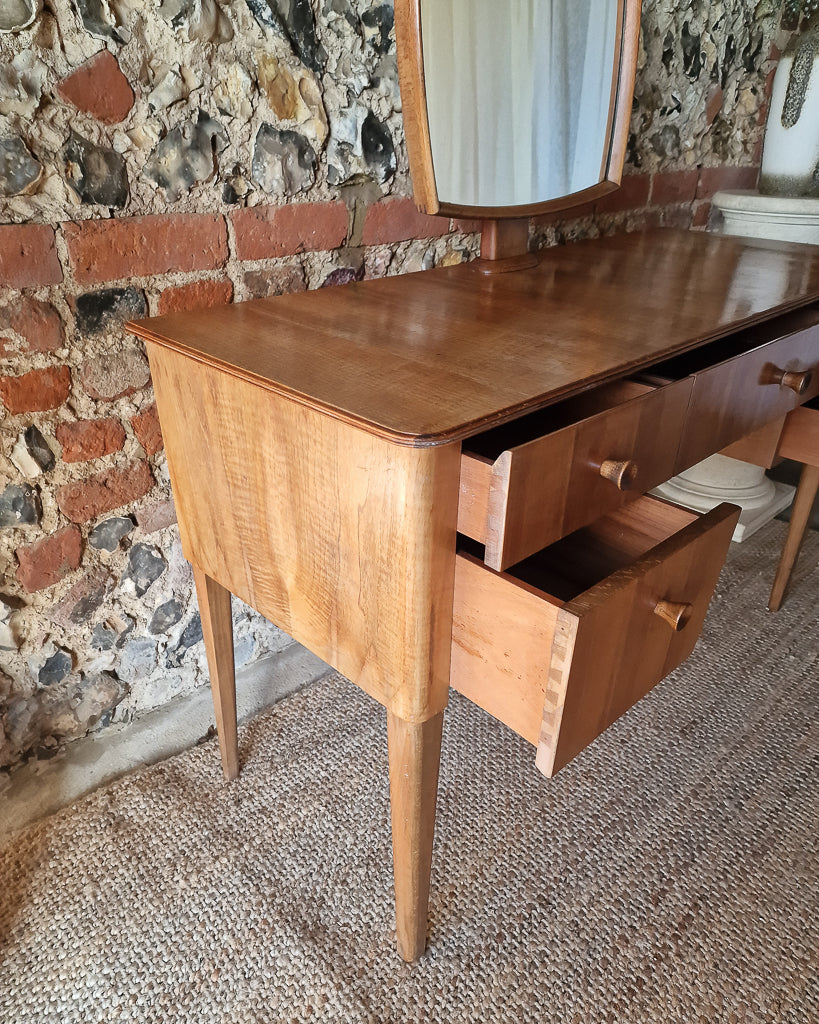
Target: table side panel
[{"x": 342, "y": 539}]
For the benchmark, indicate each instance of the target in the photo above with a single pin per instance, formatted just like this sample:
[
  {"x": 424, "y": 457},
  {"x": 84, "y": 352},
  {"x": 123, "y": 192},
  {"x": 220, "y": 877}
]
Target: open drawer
[
  {"x": 528, "y": 483},
  {"x": 565, "y": 642},
  {"x": 744, "y": 382}
]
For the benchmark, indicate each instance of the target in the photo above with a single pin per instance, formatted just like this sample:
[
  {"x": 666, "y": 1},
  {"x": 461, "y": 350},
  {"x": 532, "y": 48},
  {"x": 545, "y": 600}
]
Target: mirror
[{"x": 513, "y": 107}]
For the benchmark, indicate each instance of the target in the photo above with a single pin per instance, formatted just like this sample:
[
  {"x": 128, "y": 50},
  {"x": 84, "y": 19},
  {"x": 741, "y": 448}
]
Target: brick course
[
  {"x": 399, "y": 220},
  {"x": 90, "y": 439},
  {"x": 84, "y": 500},
  {"x": 28, "y": 256},
  {"x": 37, "y": 390},
  {"x": 146, "y": 428},
  {"x": 47, "y": 561},
  {"x": 112, "y": 250},
  {"x": 195, "y": 295},
  {"x": 37, "y": 323},
  {"x": 269, "y": 231}
]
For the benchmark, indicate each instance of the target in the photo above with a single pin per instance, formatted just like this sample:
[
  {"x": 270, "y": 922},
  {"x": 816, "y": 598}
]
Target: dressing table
[{"x": 439, "y": 479}]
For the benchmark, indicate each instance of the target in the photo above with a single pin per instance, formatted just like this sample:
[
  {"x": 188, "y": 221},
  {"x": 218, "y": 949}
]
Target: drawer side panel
[{"x": 611, "y": 648}]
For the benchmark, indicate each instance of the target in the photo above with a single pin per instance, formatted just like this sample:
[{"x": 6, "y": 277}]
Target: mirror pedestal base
[{"x": 505, "y": 246}]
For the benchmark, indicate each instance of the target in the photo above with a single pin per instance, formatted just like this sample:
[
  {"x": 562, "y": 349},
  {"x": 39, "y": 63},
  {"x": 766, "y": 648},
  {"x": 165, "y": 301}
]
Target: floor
[{"x": 39, "y": 788}]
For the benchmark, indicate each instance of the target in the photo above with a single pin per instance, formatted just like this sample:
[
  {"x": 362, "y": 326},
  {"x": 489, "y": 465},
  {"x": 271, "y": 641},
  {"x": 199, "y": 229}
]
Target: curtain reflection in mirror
[{"x": 518, "y": 96}]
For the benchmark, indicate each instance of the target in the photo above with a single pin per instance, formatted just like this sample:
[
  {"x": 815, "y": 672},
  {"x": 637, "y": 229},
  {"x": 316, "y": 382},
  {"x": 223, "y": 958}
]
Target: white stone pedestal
[
  {"x": 779, "y": 217},
  {"x": 719, "y": 478}
]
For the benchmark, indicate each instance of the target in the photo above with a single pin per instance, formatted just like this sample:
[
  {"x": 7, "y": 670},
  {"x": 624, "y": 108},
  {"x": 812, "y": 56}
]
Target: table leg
[
  {"x": 217, "y": 630},
  {"x": 800, "y": 513},
  {"x": 415, "y": 754}
]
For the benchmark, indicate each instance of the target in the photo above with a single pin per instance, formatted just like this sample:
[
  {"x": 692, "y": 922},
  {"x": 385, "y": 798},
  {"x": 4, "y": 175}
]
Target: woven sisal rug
[{"x": 669, "y": 874}]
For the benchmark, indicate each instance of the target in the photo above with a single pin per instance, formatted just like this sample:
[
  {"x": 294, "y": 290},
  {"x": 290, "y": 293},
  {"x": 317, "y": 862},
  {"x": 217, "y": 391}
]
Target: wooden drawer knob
[
  {"x": 796, "y": 380},
  {"x": 676, "y": 613},
  {"x": 622, "y": 473}
]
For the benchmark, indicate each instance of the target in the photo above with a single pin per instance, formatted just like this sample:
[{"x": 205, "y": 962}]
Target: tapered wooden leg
[
  {"x": 217, "y": 630},
  {"x": 800, "y": 513},
  {"x": 415, "y": 754}
]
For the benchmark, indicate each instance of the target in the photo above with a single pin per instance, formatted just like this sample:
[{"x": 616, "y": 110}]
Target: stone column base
[{"x": 719, "y": 479}]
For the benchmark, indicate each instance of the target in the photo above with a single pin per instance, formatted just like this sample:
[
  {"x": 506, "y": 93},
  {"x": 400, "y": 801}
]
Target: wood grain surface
[
  {"x": 326, "y": 530},
  {"x": 611, "y": 647},
  {"x": 436, "y": 356},
  {"x": 415, "y": 756}
]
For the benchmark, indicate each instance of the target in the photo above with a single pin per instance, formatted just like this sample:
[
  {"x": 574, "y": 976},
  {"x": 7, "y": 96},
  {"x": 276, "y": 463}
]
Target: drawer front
[
  {"x": 538, "y": 492},
  {"x": 559, "y": 673},
  {"x": 743, "y": 394},
  {"x": 617, "y": 640}
]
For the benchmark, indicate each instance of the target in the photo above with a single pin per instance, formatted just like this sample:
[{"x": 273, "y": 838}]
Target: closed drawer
[
  {"x": 565, "y": 642},
  {"x": 528, "y": 483},
  {"x": 742, "y": 383}
]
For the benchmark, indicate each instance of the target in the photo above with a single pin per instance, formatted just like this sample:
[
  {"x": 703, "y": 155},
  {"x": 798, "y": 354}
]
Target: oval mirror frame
[{"x": 416, "y": 122}]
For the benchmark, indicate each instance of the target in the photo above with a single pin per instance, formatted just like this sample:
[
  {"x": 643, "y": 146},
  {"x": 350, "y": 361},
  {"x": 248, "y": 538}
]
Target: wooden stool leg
[
  {"x": 802, "y": 505},
  {"x": 217, "y": 630},
  {"x": 415, "y": 754}
]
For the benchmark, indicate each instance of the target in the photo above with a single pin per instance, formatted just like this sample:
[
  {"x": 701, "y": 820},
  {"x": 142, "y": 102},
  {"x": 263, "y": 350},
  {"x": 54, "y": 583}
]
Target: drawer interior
[
  {"x": 590, "y": 555},
  {"x": 548, "y": 645},
  {"x": 492, "y": 443},
  {"x": 723, "y": 349}
]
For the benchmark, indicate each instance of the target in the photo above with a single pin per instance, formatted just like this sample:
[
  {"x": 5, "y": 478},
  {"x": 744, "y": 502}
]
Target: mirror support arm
[{"x": 505, "y": 246}]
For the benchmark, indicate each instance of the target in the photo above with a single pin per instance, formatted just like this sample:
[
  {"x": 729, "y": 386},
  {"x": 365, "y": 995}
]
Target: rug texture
[{"x": 669, "y": 874}]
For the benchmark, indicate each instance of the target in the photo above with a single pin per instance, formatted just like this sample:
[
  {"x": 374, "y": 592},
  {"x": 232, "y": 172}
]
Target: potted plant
[{"x": 790, "y": 156}]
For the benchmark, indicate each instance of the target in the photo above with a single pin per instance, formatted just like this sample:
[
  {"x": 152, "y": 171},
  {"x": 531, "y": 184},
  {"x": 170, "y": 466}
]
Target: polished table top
[{"x": 437, "y": 356}]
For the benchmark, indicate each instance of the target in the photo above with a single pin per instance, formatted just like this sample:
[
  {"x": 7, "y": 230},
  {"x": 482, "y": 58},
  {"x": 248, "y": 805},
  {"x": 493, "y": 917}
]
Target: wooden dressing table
[{"x": 439, "y": 479}]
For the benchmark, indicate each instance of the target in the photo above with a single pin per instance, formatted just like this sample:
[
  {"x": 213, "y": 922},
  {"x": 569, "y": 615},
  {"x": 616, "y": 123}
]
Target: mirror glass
[{"x": 519, "y": 96}]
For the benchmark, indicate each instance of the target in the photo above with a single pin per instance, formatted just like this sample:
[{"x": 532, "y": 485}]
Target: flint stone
[
  {"x": 8, "y": 638},
  {"x": 103, "y": 637},
  {"x": 19, "y": 171},
  {"x": 98, "y": 697},
  {"x": 38, "y": 449},
  {"x": 145, "y": 565},
  {"x": 55, "y": 668},
  {"x": 204, "y": 19},
  {"x": 359, "y": 145},
  {"x": 343, "y": 275},
  {"x": 191, "y": 635},
  {"x": 17, "y": 14},
  {"x": 83, "y": 599},
  {"x": 20, "y": 506},
  {"x": 186, "y": 156},
  {"x": 233, "y": 91},
  {"x": 97, "y": 175},
  {"x": 377, "y": 147},
  {"x": 284, "y": 162},
  {"x": 139, "y": 658},
  {"x": 168, "y": 90},
  {"x": 378, "y": 23},
  {"x": 21, "y": 84},
  {"x": 165, "y": 616},
  {"x": 97, "y": 19},
  {"x": 106, "y": 535},
  {"x": 98, "y": 311},
  {"x": 8, "y": 606},
  {"x": 292, "y": 19}
]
